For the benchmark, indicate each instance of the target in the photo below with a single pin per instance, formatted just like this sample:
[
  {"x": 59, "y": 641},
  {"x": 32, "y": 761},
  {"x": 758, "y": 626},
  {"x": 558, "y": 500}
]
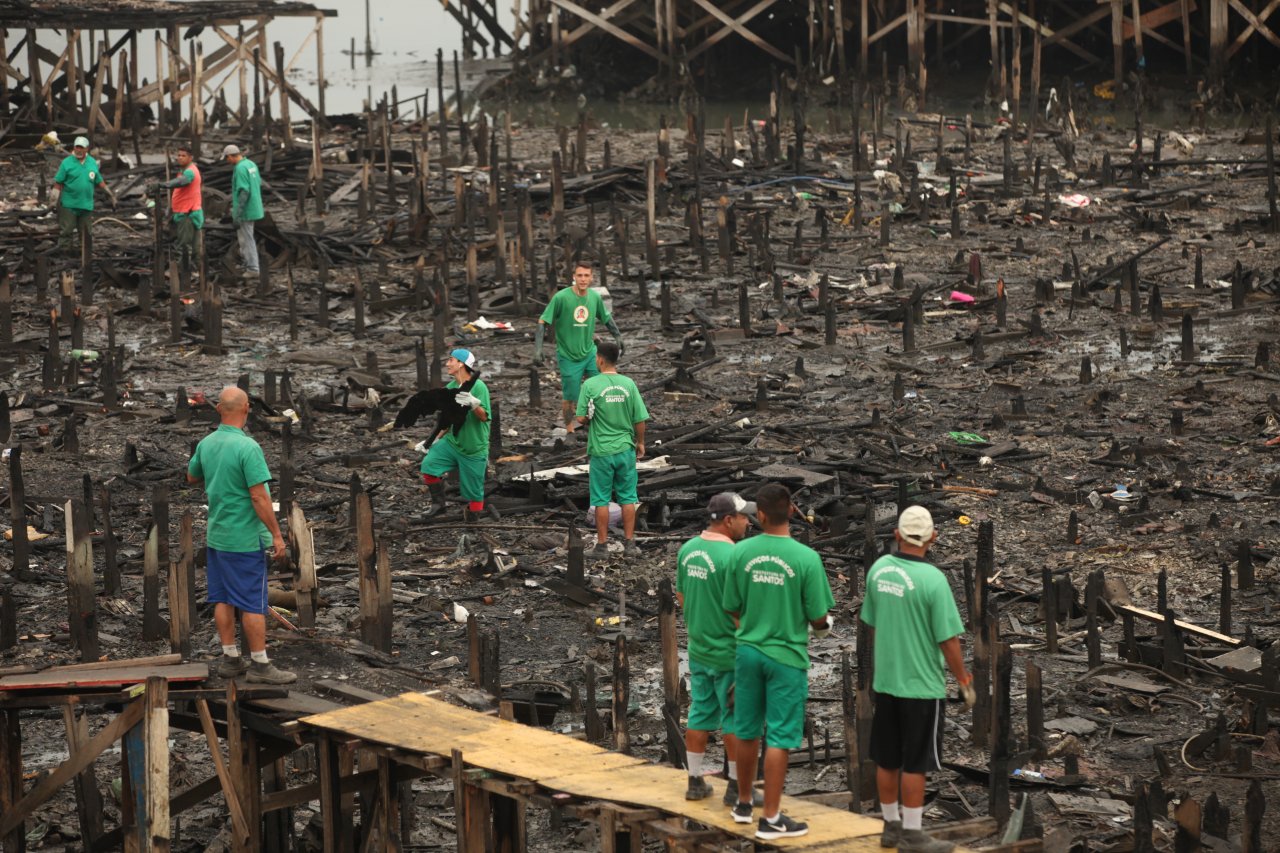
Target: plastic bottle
[{"x": 84, "y": 355}]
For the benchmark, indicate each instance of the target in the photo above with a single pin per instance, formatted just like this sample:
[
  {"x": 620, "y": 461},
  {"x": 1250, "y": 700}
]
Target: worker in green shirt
[
  {"x": 467, "y": 450},
  {"x": 777, "y": 590},
  {"x": 611, "y": 405},
  {"x": 574, "y": 312},
  {"x": 77, "y": 176},
  {"x": 701, "y": 569},
  {"x": 246, "y": 205},
  {"x": 916, "y": 628}
]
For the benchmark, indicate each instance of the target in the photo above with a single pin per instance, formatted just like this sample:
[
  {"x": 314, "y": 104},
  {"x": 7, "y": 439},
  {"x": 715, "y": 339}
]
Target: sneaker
[
  {"x": 731, "y": 795},
  {"x": 601, "y": 550},
  {"x": 250, "y": 275},
  {"x": 919, "y": 841},
  {"x": 630, "y": 548},
  {"x": 742, "y": 813},
  {"x": 492, "y": 511},
  {"x": 698, "y": 789},
  {"x": 892, "y": 833},
  {"x": 231, "y": 667},
  {"x": 267, "y": 673},
  {"x": 783, "y": 827}
]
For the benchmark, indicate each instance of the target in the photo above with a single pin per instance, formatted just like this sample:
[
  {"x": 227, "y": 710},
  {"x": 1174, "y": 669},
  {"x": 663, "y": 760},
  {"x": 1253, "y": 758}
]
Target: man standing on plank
[
  {"x": 241, "y": 526},
  {"x": 573, "y": 312},
  {"x": 701, "y": 569},
  {"x": 916, "y": 627},
  {"x": 611, "y": 404},
  {"x": 778, "y": 590}
]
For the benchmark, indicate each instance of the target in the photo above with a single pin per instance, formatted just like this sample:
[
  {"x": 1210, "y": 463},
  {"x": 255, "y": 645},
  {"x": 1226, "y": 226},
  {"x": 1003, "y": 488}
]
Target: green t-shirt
[
  {"x": 701, "y": 568},
  {"x": 777, "y": 586},
  {"x": 78, "y": 180},
  {"x": 613, "y": 406},
  {"x": 473, "y": 438},
  {"x": 230, "y": 462},
  {"x": 910, "y": 605},
  {"x": 574, "y": 318},
  {"x": 245, "y": 177}
]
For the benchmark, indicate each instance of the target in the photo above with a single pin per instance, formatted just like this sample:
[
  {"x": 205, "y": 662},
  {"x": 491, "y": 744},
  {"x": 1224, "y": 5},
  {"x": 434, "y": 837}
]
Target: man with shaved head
[{"x": 241, "y": 527}]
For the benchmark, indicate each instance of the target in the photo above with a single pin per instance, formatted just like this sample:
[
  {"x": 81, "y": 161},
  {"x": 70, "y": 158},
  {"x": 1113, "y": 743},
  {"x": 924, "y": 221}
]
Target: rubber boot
[{"x": 437, "y": 498}]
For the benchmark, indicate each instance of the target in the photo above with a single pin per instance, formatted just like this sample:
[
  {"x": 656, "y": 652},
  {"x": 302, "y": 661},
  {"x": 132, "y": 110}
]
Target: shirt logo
[
  {"x": 580, "y": 314},
  {"x": 614, "y": 394},
  {"x": 92, "y": 174},
  {"x": 769, "y": 569},
  {"x": 891, "y": 586},
  {"x": 700, "y": 572}
]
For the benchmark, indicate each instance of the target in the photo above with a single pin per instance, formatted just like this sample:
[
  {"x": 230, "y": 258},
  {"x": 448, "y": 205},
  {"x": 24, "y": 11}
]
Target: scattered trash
[
  {"x": 967, "y": 438},
  {"x": 1076, "y": 200},
  {"x": 960, "y": 296}
]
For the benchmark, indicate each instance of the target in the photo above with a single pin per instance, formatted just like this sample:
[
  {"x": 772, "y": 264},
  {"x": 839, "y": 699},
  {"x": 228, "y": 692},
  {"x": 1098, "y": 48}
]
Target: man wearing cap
[
  {"x": 701, "y": 568},
  {"x": 916, "y": 628},
  {"x": 573, "y": 312},
  {"x": 611, "y": 405},
  {"x": 246, "y": 205},
  {"x": 74, "y": 183},
  {"x": 777, "y": 589},
  {"x": 186, "y": 202},
  {"x": 242, "y": 525},
  {"x": 466, "y": 452}
]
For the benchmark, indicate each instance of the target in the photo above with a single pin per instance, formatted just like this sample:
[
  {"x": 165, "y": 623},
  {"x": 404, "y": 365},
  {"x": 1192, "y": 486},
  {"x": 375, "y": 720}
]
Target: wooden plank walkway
[{"x": 413, "y": 723}]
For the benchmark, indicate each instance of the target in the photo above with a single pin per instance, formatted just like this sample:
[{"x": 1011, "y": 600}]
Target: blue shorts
[{"x": 238, "y": 578}]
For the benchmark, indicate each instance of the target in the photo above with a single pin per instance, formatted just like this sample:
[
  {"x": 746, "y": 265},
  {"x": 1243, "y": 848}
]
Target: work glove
[
  {"x": 537, "y": 357},
  {"x": 968, "y": 694},
  {"x": 823, "y": 633},
  {"x": 115, "y": 202},
  {"x": 466, "y": 399},
  {"x": 622, "y": 348},
  {"x": 421, "y": 446},
  {"x": 237, "y": 216},
  {"x": 55, "y": 199},
  {"x": 153, "y": 188}
]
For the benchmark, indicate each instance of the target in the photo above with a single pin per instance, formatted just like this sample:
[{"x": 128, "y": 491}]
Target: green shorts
[
  {"x": 443, "y": 457},
  {"x": 614, "y": 473},
  {"x": 571, "y": 373},
  {"x": 710, "y": 701},
  {"x": 769, "y": 693}
]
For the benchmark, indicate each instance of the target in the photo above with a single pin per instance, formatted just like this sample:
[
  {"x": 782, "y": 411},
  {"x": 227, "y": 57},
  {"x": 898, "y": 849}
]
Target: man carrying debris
[
  {"x": 242, "y": 525},
  {"x": 465, "y": 450},
  {"x": 777, "y": 589},
  {"x": 610, "y": 404},
  {"x": 74, "y": 183},
  {"x": 916, "y": 628},
  {"x": 246, "y": 205},
  {"x": 701, "y": 569},
  {"x": 573, "y": 312},
  {"x": 186, "y": 204}
]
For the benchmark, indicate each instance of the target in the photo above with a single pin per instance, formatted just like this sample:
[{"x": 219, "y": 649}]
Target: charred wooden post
[
  {"x": 1035, "y": 712},
  {"x": 1199, "y": 273},
  {"x": 621, "y": 695},
  {"x": 357, "y": 300},
  {"x": 18, "y": 515},
  {"x": 1142, "y": 820},
  {"x": 110, "y": 565},
  {"x": 1175, "y": 654},
  {"x": 1244, "y": 565},
  {"x": 670, "y": 671},
  {"x": 829, "y": 322},
  {"x": 1073, "y": 528},
  {"x": 593, "y": 726},
  {"x": 1188, "y": 339},
  {"x": 1001, "y": 733},
  {"x": 1255, "y": 804},
  {"x": 8, "y": 622},
  {"x": 1093, "y": 639},
  {"x": 1049, "y": 604},
  {"x": 83, "y": 616}
]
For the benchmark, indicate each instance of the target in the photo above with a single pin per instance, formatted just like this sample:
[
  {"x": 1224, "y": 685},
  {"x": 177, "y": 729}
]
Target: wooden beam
[
  {"x": 67, "y": 770},
  {"x": 155, "y": 724},
  {"x": 1052, "y": 37},
  {"x": 609, "y": 27},
  {"x": 887, "y": 28},
  {"x": 738, "y": 26},
  {"x": 722, "y": 34},
  {"x": 1255, "y": 23},
  {"x": 224, "y": 778},
  {"x": 1188, "y": 627}
]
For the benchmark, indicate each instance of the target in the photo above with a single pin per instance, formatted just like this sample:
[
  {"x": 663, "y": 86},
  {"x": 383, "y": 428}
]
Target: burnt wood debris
[{"x": 1051, "y": 324}]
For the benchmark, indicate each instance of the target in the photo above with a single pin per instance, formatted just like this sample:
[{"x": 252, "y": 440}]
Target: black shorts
[{"x": 906, "y": 734}]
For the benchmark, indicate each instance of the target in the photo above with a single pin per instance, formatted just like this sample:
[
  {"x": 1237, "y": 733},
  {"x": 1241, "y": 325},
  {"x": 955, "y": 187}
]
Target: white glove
[
  {"x": 467, "y": 399},
  {"x": 823, "y": 633},
  {"x": 421, "y": 446}
]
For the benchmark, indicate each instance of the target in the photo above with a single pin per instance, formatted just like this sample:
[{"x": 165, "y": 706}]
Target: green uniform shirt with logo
[
  {"x": 701, "y": 568},
  {"x": 230, "y": 462},
  {"x": 613, "y": 406},
  {"x": 78, "y": 180},
  {"x": 910, "y": 606},
  {"x": 777, "y": 586},
  {"x": 574, "y": 318},
  {"x": 473, "y": 438},
  {"x": 245, "y": 178}
]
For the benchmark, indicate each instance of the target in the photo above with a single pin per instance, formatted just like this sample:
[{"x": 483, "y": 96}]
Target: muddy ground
[{"x": 1198, "y": 493}]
